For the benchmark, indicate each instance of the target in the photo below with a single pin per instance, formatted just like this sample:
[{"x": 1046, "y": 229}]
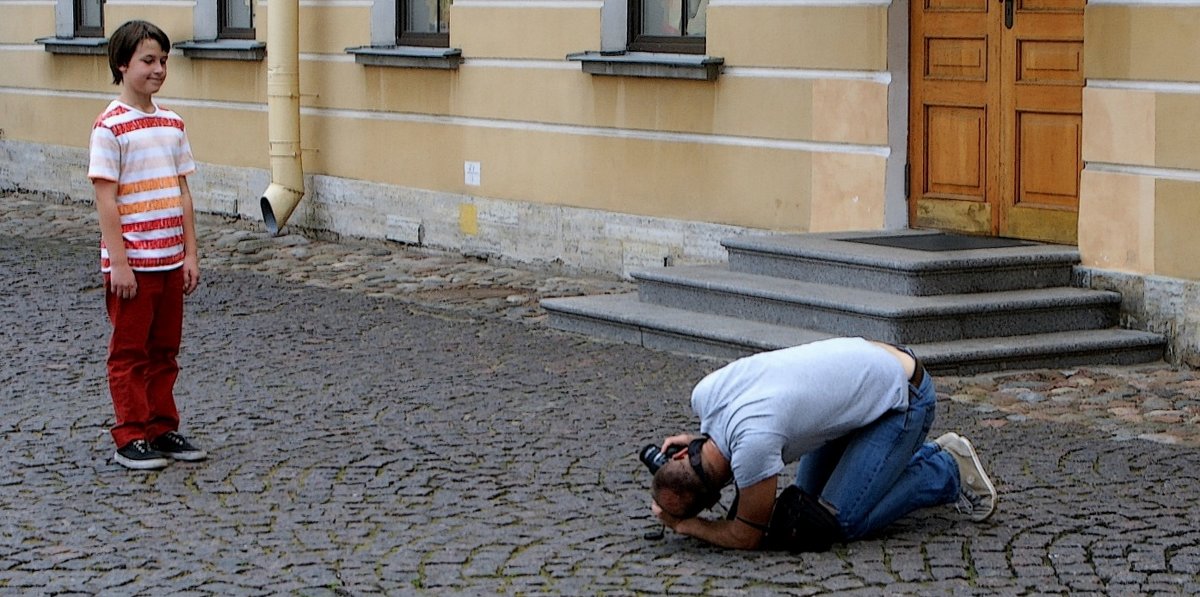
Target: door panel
[
  {"x": 957, "y": 169},
  {"x": 995, "y": 120},
  {"x": 1049, "y": 61},
  {"x": 951, "y": 59},
  {"x": 953, "y": 115},
  {"x": 1043, "y": 104},
  {"x": 1047, "y": 159}
]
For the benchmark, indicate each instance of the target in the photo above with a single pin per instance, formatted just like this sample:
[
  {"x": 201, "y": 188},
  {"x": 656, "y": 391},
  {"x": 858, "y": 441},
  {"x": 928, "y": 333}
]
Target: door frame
[{"x": 895, "y": 177}]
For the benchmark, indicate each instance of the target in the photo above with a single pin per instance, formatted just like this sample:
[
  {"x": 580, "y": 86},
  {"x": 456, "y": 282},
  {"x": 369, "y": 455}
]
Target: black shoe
[
  {"x": 138, "y": 455},
  {"x": 176, "y": 446}
]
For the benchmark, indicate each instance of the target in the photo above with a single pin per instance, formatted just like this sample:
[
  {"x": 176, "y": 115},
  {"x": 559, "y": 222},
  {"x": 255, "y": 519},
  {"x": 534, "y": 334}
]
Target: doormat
[{"x": 940, "y": 241}]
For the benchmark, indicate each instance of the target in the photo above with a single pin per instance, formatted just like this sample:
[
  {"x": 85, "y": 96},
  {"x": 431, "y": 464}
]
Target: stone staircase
[{"x": 963, "y": 304}]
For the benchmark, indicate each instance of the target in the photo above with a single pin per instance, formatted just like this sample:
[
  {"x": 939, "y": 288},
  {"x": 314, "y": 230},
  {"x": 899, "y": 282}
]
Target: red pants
[{"x": 147, "y": 330}]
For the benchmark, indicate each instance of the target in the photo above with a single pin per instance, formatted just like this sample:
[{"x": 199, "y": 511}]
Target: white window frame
[{"x": 614, "y": 26}]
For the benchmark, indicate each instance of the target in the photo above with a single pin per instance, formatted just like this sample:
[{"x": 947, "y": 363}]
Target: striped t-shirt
[{"x": 145, "y": 154}]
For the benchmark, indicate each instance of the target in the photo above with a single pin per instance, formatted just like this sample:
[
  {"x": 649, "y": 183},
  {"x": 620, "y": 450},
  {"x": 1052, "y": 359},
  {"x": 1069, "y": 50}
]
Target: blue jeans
[{"x": 876, "y": 474}]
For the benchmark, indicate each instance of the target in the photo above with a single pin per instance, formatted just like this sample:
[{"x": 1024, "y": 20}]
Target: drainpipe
[{"x": 283, "y": 113}]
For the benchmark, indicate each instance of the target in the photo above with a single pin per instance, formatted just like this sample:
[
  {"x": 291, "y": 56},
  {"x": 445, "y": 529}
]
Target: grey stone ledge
[
  {"x": 713, "y": 279},
  {"x": 836, "y": 246},
  {"x": 651, "y": 64},
  {"x": 89, "y": 46},
  {"x": 407, "y": 56},
  {"x": 223, "y": 49}
]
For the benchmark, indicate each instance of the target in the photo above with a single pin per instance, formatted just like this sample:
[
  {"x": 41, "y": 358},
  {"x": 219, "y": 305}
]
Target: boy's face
[{"x": 147, "y": 69}]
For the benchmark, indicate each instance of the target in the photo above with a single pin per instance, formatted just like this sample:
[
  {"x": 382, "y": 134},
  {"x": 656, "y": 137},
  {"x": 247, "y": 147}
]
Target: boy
[{"x": 140, "y": 158}]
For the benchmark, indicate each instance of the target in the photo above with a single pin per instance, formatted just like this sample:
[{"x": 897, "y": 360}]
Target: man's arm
[{"x": 755, "y": 505}]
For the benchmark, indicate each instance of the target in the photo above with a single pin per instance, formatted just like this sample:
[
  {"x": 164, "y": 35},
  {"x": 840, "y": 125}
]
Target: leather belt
[{"x": 918, "y": 376}]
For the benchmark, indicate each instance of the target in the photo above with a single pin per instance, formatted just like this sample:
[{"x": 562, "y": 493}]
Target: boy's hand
[
  {"x": 191, "y": 274},
  {"x": 122, "y": 282}
]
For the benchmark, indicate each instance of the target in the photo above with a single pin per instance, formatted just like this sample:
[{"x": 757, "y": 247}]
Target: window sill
[
  {"x": 224, "y": 49},
  {"x": 407, "y": 57},
  {"x": 647, "y": 64},
  {"x": 90, "y": 46}
]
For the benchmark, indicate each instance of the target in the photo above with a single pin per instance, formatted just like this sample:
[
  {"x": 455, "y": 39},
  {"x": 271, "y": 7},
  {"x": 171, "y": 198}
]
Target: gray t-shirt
[{"x": 771, "y": 408}]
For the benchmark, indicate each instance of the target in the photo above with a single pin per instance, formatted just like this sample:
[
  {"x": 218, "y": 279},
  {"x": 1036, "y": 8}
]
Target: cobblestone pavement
[{"x": 384, "y": 420}]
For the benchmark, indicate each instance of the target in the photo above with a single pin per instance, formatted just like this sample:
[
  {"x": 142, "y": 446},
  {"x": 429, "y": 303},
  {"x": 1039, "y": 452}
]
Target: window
[
  {"x": 423, "y": 23},
  {"x": 652, "y": 38},
  {"x": 235, "y": 19},
  {"x": 223, "y": 30},
  {"x": 667, "y": 26},
  {"x": 410, "y": 34},
  {"x": 78, "y": 28},
  {"x": 89, "y": 19}
]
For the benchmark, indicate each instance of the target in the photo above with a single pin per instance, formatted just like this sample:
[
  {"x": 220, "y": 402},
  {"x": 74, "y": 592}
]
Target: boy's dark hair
[{"x": 124, "y": 42}]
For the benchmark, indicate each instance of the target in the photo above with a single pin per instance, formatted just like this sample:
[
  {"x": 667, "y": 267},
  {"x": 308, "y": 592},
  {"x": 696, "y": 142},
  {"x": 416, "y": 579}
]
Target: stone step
[
  {"x": 893, "y": 318},
  {"x": 625, "y": 318},
  {"x": 836, "y": 259}
]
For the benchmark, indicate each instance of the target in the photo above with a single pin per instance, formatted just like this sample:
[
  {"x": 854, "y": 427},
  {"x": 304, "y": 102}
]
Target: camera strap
[{"x": 694, "y": 448}]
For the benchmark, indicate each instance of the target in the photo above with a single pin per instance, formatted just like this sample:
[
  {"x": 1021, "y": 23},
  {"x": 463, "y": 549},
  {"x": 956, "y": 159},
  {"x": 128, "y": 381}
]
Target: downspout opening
[{"x": 277, "y": 204}]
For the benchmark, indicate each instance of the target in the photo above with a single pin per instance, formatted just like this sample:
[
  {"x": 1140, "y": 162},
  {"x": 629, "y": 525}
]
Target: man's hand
[
  {"x": 683, "y": 439},
  {"x": 667, "y": 519}
]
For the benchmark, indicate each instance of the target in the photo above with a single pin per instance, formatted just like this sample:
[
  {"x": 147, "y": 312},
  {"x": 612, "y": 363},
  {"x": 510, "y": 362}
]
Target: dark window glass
[
  {"x": 424, "y": 23},
  {"x": 89, "y": 18},
  {"x": 667, "y": 25},
  {"x": 235, "y": 19}
]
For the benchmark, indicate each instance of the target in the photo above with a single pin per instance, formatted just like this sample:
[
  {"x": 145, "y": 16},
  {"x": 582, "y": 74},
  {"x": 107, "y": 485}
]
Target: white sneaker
[
  {"x": 946, "y": 438},
  {"x": 977, "y": 495}
]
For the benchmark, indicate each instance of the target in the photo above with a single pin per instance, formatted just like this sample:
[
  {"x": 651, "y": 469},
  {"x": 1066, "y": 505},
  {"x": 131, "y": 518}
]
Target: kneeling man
[{"x": 855, "y": 415}]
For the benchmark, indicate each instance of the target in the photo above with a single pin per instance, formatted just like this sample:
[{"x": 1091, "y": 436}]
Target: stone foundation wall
[
  {"x": 1168, "y": 306},
  {"x": 584, "y": 240}
]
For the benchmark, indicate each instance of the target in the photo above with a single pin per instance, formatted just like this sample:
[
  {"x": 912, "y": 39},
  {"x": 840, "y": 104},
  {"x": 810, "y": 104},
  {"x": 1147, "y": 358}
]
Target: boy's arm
[
  {"x": 191, "y": 251},
  {"x": 122, "y": 282}
]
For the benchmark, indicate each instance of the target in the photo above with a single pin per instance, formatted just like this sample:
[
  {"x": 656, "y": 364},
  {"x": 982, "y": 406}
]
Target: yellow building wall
[
  {"x": 1140, "y": 41},
  {"x": 830, "y": 37},
  {"x": 523, "y": 32},
  {"x": 1140, "y": 190},
  {"x": 773, "y": 144},
  {"x": 23, "y": 22}
]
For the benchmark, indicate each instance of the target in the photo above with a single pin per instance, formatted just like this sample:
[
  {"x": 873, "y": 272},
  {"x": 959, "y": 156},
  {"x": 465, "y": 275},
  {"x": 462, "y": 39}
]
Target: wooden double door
[{"x": 995, "y": 123}]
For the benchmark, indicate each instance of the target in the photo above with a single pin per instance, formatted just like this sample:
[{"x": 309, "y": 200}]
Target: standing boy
[{"x": 140, "y": 158}]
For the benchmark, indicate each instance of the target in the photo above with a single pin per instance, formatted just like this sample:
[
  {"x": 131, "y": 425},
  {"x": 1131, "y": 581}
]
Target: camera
[{"x": 654, "y": 458}]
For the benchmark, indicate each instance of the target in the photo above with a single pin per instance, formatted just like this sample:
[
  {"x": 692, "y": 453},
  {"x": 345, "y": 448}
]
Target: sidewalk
[
  {"x": 1154, "y": 402},
  {"x": 383, "y": 421}
]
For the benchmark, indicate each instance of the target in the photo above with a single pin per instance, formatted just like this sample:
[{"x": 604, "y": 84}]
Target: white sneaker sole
[
  {"x": 141, "y": 465},
  {"x": 188, "y": 456}
]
